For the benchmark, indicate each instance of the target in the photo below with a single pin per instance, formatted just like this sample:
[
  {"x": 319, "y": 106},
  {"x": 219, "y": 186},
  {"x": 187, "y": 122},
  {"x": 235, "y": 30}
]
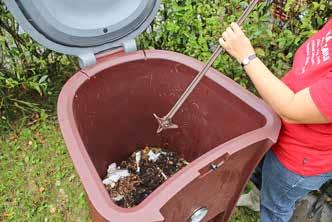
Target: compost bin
[{"x": 105, "y": 110}]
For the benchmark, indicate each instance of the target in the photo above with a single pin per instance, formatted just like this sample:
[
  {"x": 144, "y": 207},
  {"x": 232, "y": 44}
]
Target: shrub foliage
[{"x": 30, "y": 73}]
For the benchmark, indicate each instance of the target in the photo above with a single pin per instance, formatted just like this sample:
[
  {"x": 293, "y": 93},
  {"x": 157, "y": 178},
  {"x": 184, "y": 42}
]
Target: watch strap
[{"x": 248, "y": 59}]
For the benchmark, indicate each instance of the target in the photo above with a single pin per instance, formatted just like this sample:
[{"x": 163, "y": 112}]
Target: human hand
[{"x": 235, "y": 42}]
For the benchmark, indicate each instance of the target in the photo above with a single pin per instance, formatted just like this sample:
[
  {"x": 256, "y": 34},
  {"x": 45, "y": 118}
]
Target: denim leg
[
  {"x": 256, "y": 177},
  {"x": 281, "y": 188}
]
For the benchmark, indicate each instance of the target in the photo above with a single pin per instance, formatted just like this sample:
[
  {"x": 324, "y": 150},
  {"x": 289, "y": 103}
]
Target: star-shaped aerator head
[{"x": 164, "y": 123}]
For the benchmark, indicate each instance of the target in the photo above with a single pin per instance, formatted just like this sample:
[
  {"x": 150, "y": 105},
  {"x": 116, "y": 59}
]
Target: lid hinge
[
  {"x": 89, "y": 58},
  {"x": 86, "y": 59},
  {"x": 129, "y": 45}
]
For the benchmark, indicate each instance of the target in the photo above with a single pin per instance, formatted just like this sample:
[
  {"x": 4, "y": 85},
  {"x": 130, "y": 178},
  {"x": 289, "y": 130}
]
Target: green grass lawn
[{"x": 38, "y": 180}]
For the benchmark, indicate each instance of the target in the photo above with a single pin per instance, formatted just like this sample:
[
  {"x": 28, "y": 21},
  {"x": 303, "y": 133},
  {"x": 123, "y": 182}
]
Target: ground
[{"x": 38, "y": 180}]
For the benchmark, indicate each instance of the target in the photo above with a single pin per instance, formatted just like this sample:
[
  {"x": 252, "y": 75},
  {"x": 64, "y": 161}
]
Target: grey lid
[{"x": 83, "y": 27}]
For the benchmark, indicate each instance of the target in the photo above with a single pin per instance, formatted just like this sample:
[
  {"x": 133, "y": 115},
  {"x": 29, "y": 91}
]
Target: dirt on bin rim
[{"x": 137, "y": 177}]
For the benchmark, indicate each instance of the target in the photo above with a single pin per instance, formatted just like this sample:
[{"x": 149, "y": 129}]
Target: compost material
[{"x": 135, "y": 178}]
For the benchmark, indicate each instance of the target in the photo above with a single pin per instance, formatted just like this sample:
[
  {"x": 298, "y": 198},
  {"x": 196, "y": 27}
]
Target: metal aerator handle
[{"x": 166, "y": 121}]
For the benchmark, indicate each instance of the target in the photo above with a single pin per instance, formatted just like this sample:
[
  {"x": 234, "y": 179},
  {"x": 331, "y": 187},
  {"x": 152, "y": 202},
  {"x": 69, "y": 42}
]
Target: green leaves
[
  {"x": 29, "y": 72},
  {"x": 191, "y": 27}
]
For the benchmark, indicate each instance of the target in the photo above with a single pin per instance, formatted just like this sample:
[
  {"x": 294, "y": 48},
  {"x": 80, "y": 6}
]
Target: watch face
[{"x": 245, "y": 61}]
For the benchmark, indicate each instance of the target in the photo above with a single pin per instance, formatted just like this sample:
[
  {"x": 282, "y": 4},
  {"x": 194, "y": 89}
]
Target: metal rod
[{"x": 165, "y": 122}]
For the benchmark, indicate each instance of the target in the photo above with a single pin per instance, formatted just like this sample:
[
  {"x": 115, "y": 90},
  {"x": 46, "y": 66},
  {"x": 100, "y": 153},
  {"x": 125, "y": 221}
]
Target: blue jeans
[{"x": 281, "y": 188}]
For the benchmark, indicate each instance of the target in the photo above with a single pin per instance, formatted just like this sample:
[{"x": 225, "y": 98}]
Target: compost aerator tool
[{"x": 166, "y": 121}]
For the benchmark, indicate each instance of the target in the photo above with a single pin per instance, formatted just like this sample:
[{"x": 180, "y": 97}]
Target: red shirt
[{"x": 306, "y": 149}]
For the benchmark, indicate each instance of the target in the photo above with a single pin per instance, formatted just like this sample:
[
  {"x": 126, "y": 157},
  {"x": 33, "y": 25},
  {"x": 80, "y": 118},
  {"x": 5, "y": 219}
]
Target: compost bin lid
[{"x": 84, "y": 28}]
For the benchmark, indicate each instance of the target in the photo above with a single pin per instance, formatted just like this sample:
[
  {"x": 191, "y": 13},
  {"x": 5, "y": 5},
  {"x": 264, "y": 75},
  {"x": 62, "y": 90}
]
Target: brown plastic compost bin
[{"x": 105, "y": 113}]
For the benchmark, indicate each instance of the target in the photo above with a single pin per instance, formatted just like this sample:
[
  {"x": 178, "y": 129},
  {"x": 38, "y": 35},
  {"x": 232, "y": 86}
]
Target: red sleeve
[{"x": 321, "y": 93}]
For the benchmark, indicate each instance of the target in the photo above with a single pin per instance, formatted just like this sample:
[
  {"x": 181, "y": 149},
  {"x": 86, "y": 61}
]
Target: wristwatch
[{"x": 248, "y": 59}]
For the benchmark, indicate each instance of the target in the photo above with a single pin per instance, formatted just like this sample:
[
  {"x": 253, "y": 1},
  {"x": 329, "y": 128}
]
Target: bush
[
  {"x": 31, "y": 74},
  {"x": 192, "y": 27}
]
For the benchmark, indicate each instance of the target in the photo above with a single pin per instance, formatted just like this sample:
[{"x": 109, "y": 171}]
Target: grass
[
  {"x": 38, "y": 180},
  {"x": 244, "y": 215}
]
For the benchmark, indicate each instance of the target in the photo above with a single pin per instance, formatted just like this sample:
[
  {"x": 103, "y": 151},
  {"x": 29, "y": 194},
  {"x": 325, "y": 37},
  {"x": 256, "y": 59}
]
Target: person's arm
[{"x": 292, "y": 107}]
